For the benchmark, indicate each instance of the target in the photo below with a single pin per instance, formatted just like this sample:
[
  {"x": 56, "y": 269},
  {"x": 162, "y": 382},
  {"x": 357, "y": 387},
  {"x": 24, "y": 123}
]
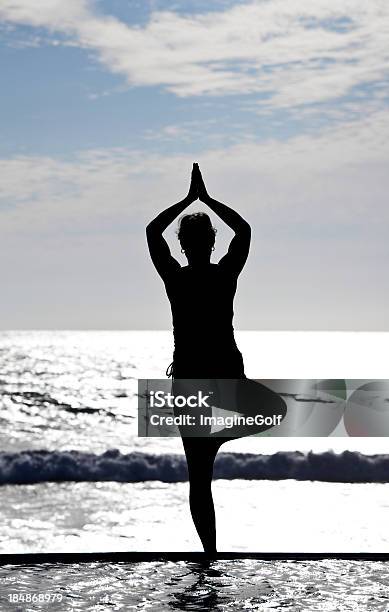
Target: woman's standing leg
[
  {"x": 200, "y": 456},
  {"x": 200, "y": 451}
]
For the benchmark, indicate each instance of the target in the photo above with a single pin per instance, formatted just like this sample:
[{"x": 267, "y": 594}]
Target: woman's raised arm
[
  {"x": 239, "y": 247},
  {"x": 159, "y": 250}
]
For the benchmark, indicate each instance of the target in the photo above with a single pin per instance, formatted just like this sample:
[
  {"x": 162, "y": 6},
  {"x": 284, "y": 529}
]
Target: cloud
[
  {"x": 287, "y": 53},
  {"x": 50, "y": 14},
  {"x": 317, "y": 204},
  {"x": 341, "y": 171}
]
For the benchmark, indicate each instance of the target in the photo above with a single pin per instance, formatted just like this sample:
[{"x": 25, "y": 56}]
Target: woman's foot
[{"x": 211, "y": 553}]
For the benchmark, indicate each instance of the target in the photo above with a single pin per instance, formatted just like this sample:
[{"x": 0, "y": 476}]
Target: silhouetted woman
[{"x": 201, "y": 295}]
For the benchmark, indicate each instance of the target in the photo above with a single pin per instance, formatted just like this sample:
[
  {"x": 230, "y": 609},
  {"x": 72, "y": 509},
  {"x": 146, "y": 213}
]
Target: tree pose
[{"x": 201, "y": 296}]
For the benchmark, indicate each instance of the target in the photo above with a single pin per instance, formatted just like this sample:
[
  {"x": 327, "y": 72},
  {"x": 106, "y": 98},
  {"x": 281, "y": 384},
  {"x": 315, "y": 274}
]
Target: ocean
[{"x": 75, "y": 477}]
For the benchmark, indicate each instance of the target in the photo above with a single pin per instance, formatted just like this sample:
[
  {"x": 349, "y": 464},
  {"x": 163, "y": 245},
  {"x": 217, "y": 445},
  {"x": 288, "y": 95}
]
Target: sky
[{"x": 106, "y": 104}]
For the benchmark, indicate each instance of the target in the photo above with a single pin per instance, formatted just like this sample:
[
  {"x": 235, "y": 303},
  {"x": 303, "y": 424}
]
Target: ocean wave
[{"x": 33, "y": 466}]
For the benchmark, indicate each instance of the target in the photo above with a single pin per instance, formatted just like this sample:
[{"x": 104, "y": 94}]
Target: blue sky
[{"x": 105, "y": 105}]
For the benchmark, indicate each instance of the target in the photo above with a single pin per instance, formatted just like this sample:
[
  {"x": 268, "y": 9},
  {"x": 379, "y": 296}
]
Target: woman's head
[{"x": 196, "y": 233}]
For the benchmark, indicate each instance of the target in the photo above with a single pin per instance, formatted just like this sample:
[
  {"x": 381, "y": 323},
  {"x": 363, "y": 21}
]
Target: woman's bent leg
[{"x": 251, "y": 399}]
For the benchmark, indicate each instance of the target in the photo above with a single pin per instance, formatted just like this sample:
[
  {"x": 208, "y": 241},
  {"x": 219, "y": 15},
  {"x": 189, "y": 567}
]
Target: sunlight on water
[
  {"x": 77, "y": 391},
  {"x": 252, "y": 515},
  {"x": 219, "y": 586},
  {"x": 57, "y": 388}
]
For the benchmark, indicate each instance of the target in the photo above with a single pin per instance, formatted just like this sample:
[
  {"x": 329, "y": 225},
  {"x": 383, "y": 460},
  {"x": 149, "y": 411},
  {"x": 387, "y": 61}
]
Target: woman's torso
[{"x": 201, "y": 302}]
